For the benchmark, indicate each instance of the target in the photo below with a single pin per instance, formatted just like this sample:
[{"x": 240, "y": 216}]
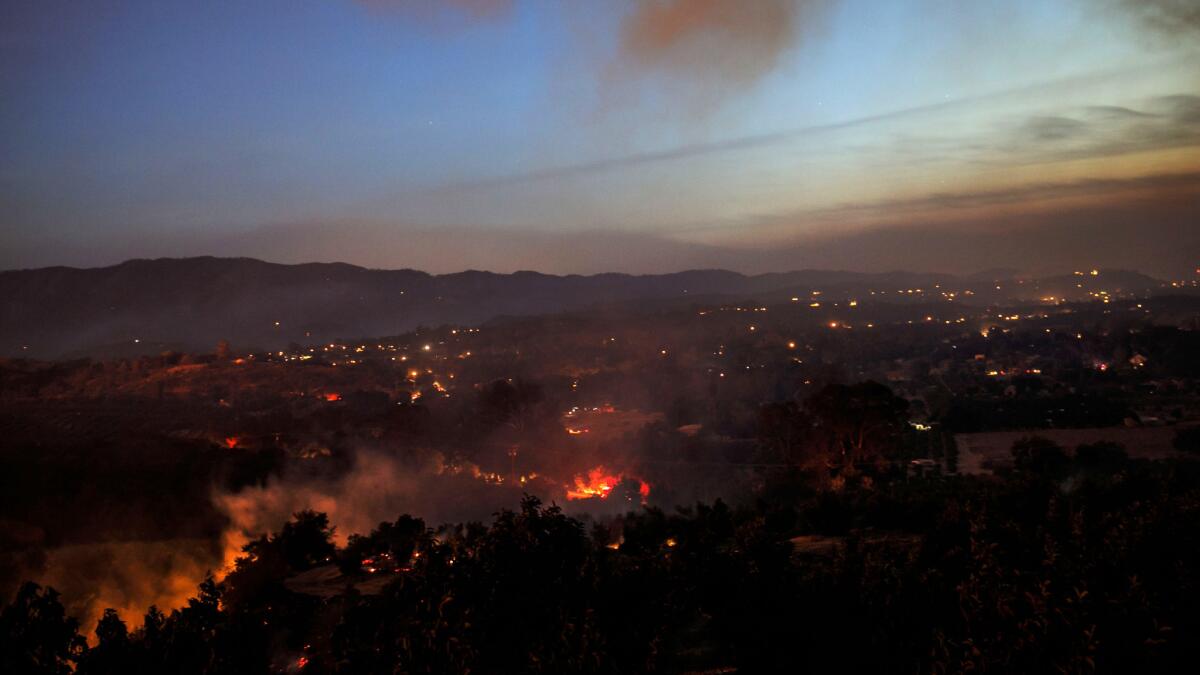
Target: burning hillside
[{"x": 599, "y": 483}]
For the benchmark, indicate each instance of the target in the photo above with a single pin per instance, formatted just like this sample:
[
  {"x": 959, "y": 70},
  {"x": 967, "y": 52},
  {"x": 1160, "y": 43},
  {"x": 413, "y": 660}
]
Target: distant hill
[{"x": 143, "y": 306}]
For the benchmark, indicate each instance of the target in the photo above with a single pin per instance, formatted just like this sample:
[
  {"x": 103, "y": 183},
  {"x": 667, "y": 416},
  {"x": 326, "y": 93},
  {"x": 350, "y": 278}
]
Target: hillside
[{"x": 145, "y": 306}]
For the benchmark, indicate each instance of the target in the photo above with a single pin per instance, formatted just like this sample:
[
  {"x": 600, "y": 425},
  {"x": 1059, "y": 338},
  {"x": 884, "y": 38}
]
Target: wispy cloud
[
  {"x": 982, "y": 206},
  {"x": 1064, "y": 126},
  {"x": 1172, "y": 19},
  {"x": 1105, "y": 131}
]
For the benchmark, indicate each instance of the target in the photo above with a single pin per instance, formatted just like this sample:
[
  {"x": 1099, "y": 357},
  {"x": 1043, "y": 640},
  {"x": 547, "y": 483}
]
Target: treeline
[{"x": 1072, "y": 563}]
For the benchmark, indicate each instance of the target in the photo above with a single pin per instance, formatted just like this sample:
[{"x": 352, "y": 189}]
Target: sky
[{"x": 604, "y": 135}]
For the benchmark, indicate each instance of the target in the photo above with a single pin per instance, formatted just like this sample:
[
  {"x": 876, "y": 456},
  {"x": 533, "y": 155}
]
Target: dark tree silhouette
[
  {"x": 1041, "y": 457},
  {"x": 36, "y": 635},
  {"x": 859, "y": 422},
  {"x": 113, "y": 653}
]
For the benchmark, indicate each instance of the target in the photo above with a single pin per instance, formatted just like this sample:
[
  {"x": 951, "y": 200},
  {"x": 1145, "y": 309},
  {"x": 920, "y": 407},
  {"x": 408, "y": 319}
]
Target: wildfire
[
  {"x": 231, "y": 442},
  {"x": 599, "y": 482},
  {"x": 331, "y": 396}
]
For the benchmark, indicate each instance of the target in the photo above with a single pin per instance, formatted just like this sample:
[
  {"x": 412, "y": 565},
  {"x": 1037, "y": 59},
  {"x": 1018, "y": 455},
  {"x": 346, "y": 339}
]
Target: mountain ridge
[{"x": 194, "y": 302}]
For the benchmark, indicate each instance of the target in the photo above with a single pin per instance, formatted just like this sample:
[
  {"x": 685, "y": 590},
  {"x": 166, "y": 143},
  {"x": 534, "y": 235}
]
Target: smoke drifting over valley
[{"x": 377, "y": 487}]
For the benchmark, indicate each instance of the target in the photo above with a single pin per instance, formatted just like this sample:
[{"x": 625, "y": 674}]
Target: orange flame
[
  {"x": 599, "y": 482},
  {"x": 231, "y": 442},
  {"x": 333, "y": 397}
]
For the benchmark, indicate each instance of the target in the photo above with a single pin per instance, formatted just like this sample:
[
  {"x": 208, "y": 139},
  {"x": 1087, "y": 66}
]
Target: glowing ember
[
  {"x": 333, "y": 397},
  {"x": 600, "y": 482},
  {"x": 231, "y": 442}
]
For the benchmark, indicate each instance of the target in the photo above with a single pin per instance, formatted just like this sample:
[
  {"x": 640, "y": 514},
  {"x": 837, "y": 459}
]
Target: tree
[
  {"x": 782, "y": 429},
  {"x": 113, "y": 654},
  {"x": 1042, "y": 457},
  {"x": 859, "y": 422},
  {"x": 36, "y": 635},
  {"x": 306, "y": 540},
  {"x": 515, "y": 404},
  {"x": 257, "y": 577}
]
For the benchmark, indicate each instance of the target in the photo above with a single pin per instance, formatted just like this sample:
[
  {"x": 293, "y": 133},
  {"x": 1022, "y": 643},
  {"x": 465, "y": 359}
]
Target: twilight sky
[{"x": 604, "y": 135}]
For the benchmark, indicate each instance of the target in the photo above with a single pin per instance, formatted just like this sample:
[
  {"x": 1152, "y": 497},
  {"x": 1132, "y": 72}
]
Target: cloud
[
  {"x": 1115, "y": 112},
  {"x": 1150, "y": 228},
  {"x": 1107, "y": 131},
  {"x": 1040, "y": 204},
  {"x": 1052, "y": 128},
  {"x": 687, "y": 151},
  {"x": 939, "y": 204},
  {"x": 1172, "y": 19},
  {"x": 1182, "y": 108},
  {"x": 1093, "y": 132},
  {"x": 1179, "y": 113}
]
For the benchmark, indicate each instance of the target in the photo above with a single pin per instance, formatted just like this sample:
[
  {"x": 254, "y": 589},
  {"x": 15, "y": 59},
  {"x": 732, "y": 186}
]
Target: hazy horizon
[{"x": 1016, "y": 272}]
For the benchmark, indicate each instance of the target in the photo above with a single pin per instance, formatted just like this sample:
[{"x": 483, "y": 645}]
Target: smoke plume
[
  {"x": 127, "y": 576},
  {"x": 719, "y": 46},
  {"x": 378, "y": 487},
  {"x": 470, "y": 10}
]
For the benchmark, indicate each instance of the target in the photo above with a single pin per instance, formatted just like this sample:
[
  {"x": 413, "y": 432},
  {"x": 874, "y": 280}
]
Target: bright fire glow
[{"x": 599, "y": 482}]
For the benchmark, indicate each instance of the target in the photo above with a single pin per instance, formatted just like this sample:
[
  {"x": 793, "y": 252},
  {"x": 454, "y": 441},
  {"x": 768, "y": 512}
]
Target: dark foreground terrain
[
  {"x": 1068, "y": 564},
  {"x": 891, "y": 482}
]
